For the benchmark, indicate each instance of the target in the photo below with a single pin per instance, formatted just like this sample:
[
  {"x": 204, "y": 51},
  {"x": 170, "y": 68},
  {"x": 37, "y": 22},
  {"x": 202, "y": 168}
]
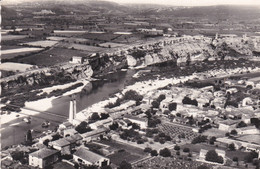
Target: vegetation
[
  {"x": 214, "y": 157},
  {"x": 83, "y": 127},
  {"x": 165, "y": 152},
  {"x": 199, "y": 139},
  {"x": 187, "y": 100},
  {"x": 154, "y": 153}
]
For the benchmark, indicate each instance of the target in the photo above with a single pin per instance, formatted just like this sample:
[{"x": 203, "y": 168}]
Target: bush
[
  {"x": 199, "y": 139},
  {"x": 83, "y": 127},
  {"x": 178, "y": 153},
  {"x": 177, "y": 148},
  {"x": 187, "y": 100},
  {"x": 155, "y": 104},
  {"x": 186, "y": 150},
  {"x": 232, "y": 147},
  {"x": 233, "y": 132},
  {"x": 125, "y": 165},
  {"x": 214, "y": 157},
  {"x": 95, "y": 116},
  {"x": 241, "y": 124},
  {"x": 165, "y": 152},
  {"x": 154, "y": 153},
  {"x": 172, "y": 106},
  {"x": 161, "y": 98}
]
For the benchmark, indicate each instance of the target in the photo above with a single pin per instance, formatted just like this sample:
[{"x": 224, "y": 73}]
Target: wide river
[{"x": 14, "y": 132}]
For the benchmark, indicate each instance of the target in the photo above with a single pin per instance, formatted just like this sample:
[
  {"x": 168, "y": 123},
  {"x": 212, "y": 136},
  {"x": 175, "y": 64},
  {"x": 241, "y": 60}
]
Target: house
[
  {"x": 248, "y": 130},
  {"x": 94, "y": 135},
  {"x": 164, "y": 105},
  {"x": 227, "y": 125},
  {"x": 77, "y": 59},
  {"x": 43, "y": 158},
  {"x": 101, "y": 123},
  {"x": 84, "y": 156},
  {"x": 62, "y": 145},
  {"x": 74, "y": 140},
  {"x": 65, "y": 125},
  {"x": 142, "y": 122}
]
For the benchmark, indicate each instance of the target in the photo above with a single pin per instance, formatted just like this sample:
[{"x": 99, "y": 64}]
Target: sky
[{"x": 177, "y": 2}]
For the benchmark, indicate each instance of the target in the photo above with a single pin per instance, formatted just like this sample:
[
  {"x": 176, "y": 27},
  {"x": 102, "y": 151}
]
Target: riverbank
[{"x": 148, "y": 86}]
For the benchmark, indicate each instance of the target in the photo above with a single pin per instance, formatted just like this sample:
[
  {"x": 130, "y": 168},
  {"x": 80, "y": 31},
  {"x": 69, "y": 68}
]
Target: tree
[
  {"x": 46, "y": 142},
  {"x": 241, "y": 124},
  {"x": 172, "y": 106},
  {"x": 125, "y": 165},
  {"x": 165, "y": 152},
  {"x": 161, "y": 98},
  {"x": 232, "y": 147},
  {"x": 187, "y": 100},
  {"x": 154, "y": 153},
  {"x": 104, "y": 116},
  {"x": 233, "y": 132},
  {"x": 186, "y": 150},
  {"x": 135, "y": 126},
  {"x": 177, "y": 148},
  {"x": 95, "y": 116},
  {"x": 133, "y": 95},
  {"x": 155, "y": 104},
  {"x": 113, "y": 126},
  {"x": 212, "y": 140},
  {"x": 199, "y": 139},
  {"x": 214, "y": 157},
  {"x": 82, "y": 127}
]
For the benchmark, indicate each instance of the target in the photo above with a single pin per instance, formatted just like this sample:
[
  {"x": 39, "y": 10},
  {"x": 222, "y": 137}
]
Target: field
[
  {"x": 250, "y": 138},
  {"x": 55, "y": 38},
  {"x": 12, "y": 37},
  {"x": 11, "y": 53},
  {"x": 112, "y": 45},
  {"x": 42, "y": 43},
  {"x": 9, "y": 66},
  {"x": 68, "y": 33},
  {"x": 51, "y": 57},
  {"x": 87, "y": 48},
  {"x": 124, "y": 152}
]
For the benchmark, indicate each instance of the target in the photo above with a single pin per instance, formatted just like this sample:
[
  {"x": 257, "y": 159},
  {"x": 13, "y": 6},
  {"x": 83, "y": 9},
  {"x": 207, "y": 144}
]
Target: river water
[{"x": 96, "y": 91}]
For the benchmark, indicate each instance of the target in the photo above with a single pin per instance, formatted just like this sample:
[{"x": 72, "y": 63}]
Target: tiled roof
[
  {"x": 43, "y": 153},
  {"x": 87, "y": 155},
  {"x": 61, "y": 142}
]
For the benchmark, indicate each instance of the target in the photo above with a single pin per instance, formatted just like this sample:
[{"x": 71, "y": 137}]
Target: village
[{"x": 157, "y": 119}]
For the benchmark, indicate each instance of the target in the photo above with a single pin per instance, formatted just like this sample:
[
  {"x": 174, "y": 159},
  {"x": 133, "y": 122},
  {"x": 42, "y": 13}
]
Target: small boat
[{"x": 46, "y": 124}]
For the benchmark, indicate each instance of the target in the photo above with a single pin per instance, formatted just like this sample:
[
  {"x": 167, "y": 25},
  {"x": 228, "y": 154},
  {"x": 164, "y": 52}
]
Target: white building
[
  {"x": 84, "y": 156},
  {"x": 77, "y": 59},
  {"x": 43, "y": 158}
]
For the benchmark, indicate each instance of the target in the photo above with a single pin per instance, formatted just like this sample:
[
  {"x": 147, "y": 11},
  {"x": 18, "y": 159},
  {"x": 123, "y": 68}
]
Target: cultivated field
[
  {"x": 111, "y": 45},
  {"x": 10, "y": 66},
  {"x": 51, "y": 57},
  {"x": 12, "y": 37},
  {"x": 42, "y": 43},
  {"x": 81, "y": 47},
  {"x": 11, "y": 53}
]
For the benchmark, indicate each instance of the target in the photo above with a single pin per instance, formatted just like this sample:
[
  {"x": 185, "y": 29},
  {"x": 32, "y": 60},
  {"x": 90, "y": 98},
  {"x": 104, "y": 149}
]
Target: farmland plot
[
  {"x": 10, "y": 66},
  {"x": 12, "y": 37},
  {"x": 42, "y": 43},
  {"x": 111, "y": 45},
  {"x": 11, "y": 53}
]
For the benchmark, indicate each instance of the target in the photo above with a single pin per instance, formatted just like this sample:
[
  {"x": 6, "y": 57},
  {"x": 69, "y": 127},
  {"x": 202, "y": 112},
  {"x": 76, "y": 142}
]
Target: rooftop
[
  {"x": 87, "y": 155},
  {"x": 43, "y": 153},
  {"x": 61, "y": 142}
]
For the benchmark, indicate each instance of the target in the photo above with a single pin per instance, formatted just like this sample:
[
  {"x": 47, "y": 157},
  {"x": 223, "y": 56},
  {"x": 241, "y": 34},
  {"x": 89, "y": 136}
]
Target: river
[{"x": 98, "y": 90}]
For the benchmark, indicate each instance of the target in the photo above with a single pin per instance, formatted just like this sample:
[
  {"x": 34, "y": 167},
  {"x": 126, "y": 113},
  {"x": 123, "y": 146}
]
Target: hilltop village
[{"x": 192, "y": 100}]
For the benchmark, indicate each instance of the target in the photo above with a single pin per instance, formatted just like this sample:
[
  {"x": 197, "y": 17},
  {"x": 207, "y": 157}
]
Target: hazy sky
[
  {"x": 172, "y": 2},
  {"x": 193, "y": 2}
]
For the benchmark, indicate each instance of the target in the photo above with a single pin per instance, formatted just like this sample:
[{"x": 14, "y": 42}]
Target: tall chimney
[
  {"x": 74, "y": 109},
  {"x": 71, "y": 113}
]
